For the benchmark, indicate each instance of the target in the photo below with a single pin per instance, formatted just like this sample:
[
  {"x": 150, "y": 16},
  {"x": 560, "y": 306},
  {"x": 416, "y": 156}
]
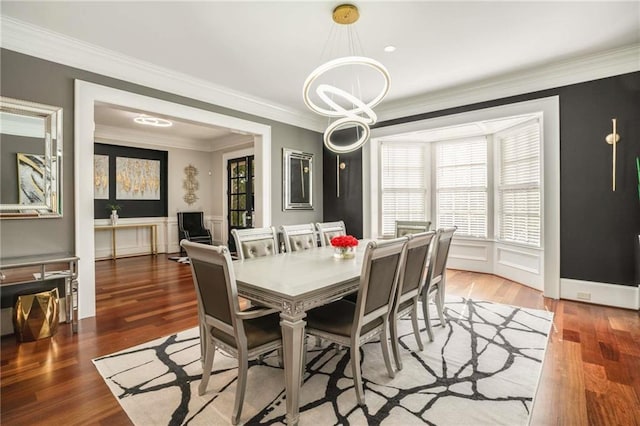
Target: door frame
[
  {"x": 85, "y": 97},
  {"x": 225, "y": 159}
]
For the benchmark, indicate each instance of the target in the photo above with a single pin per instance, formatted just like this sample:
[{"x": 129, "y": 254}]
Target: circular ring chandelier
[{"x": 361, "y": 114}]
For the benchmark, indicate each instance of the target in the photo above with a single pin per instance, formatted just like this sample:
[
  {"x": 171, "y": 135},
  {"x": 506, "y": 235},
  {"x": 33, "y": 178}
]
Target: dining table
[{"x": 294, "y": 283}]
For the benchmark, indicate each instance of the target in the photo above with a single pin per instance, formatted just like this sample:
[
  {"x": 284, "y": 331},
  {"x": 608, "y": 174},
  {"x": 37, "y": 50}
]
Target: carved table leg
[{"x": 293, "y": 342}]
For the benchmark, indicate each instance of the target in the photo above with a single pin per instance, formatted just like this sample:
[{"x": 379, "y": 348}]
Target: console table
[
  {"x": 153, "y": 235},
  {"x": 27, "y": 269}
]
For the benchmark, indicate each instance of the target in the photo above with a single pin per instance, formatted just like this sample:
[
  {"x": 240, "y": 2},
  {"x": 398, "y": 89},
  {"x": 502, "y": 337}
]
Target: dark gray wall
[
  {"x": 32, "y": 79},
  {"x": 598, "y": 227}
]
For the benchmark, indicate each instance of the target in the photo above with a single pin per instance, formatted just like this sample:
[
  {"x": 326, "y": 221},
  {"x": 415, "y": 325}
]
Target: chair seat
[
  {"x": 259, "y": 331},
  {"x": 337, "y": 318}
]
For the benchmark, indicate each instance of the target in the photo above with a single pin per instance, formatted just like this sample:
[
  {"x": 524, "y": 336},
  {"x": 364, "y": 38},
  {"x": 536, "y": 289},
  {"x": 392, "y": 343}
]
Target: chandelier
[{"x": 342, "y": 101}]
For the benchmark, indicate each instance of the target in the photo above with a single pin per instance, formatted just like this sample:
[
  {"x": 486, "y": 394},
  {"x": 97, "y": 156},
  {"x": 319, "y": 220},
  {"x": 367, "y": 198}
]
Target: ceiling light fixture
[
  {"x": 389, "y": 48},
  {"x": 347, "y": 106},
  {"x": 152, "y": 121}
]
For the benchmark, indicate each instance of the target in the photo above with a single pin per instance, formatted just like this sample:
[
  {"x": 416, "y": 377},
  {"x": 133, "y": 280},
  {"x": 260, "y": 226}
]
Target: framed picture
[
  {"x": 101, "y": 177},
  {"x": 31, "y": 179},
  {"x": 297, "y": 190},
  {"x": 137, "y": 179}
]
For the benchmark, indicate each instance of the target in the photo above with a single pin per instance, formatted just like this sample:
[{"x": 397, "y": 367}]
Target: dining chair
[
  {"x": 328, "y": 230},
  {"x": 299, "y": 237},
  {"x": 435, "y": 282},
  {"x": 410, "y": 285},
  {"x": 353, "y": 324},
  {"x": 255, "y": 242},
  {"x": 243, "y": 334},
  {"x": 405, "y": 227}
]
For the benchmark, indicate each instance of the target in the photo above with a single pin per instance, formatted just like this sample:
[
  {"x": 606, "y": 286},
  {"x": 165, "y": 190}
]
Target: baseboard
[{"x": 619, "y": 296}]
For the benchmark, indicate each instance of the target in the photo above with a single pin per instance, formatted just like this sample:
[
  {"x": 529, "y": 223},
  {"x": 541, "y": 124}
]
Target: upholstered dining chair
[
  {"x": 409, "y": 288},
  {"x": 328, "y": 230},
  {"x": 255, "y": 242},
  {"x": 434, "y": 287},
  {"x": 243, "y": 334},
  {"x": 405, "y": 227},
  {"x": 353, "y": 324},
  {"x": 299, "y": 237}
]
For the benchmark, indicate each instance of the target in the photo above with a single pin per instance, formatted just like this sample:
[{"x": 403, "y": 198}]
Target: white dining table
[{"x": 293, "y": 283}]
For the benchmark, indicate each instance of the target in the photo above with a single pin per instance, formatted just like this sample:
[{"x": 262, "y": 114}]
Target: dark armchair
[{"x": 191, "y": 227}]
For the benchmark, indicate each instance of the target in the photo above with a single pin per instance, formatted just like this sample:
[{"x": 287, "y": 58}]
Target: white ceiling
[{"x": 266, "y": 49}]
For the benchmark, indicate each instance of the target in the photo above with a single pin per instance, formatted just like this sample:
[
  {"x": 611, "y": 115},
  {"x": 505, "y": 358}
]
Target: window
[
  {"x": 403, "y": 184},
  {"x": 461, "y": 186},
  {"x": 518, "y": 205}
]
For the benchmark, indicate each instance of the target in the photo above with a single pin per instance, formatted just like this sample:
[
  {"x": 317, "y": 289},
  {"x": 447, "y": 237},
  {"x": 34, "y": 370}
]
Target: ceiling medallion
[{"x": 360, "y": 115}]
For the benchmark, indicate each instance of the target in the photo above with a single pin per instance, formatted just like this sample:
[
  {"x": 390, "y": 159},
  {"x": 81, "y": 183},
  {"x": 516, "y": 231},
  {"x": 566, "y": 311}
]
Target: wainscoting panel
[
  {"x": 471, "y": 255},
  {"x": 520, "y": 264}
]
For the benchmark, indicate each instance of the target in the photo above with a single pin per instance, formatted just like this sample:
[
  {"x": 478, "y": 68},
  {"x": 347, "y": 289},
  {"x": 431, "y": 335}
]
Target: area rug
[{"x": 482, "y": 369}]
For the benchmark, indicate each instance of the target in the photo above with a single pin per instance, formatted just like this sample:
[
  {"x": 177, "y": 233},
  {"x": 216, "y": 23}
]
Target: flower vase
[
  {"x": 114, "y": 217},
  {"x": 344, "y": 252}
]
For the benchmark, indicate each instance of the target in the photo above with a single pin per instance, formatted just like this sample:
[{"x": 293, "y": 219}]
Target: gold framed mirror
[
  {"x": 297, "y": 179},
  {"x": 31, "y": 160}
]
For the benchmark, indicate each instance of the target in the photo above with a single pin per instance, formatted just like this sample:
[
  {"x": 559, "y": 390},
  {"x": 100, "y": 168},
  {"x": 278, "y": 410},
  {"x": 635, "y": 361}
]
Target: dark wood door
[{"x": 240, "y": 184}]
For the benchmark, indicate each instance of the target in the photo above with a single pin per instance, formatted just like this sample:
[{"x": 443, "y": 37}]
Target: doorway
[
  {"x": 240, "y": 195},
  {"x": 86, "y": 96}
]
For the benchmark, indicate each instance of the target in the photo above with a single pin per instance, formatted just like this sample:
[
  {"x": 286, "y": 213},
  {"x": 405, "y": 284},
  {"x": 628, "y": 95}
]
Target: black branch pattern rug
[{"x": 482, "y": 369}]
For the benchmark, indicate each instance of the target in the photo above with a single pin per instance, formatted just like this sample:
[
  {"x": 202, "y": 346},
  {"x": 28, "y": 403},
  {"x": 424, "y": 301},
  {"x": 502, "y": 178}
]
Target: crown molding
[
  {"x": 36, "y": 41},
  {"x": 117, "y": 135},
  {"x": 41, "y": 43},
  {"x": 576, "y": 70}
]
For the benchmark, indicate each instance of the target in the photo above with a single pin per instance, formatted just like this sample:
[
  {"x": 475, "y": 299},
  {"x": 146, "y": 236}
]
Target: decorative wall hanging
[
  {"x": 101, "y": 177},
  {"x": 137, "y": 179},
  {"x": 190, "y": 184},
  {"x": 31, "y": 174}
]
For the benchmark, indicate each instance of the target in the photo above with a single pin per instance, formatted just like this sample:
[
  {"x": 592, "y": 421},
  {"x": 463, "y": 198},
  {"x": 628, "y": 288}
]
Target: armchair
[{"x": 191, "y": 227}]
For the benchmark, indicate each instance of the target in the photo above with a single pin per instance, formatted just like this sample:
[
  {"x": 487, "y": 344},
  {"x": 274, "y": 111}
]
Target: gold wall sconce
[
  {"x": 613, "y": 139},
  {"x": 339, "y": 166}
]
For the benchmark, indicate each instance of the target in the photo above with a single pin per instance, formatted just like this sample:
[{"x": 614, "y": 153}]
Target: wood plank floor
[{"x": 591, "y": 374}]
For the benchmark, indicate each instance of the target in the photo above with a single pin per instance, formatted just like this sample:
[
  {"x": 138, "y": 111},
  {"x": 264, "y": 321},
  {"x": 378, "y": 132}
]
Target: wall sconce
[
  {"x": 613, "y": 139},
  {"x": 339, "y": 166}
]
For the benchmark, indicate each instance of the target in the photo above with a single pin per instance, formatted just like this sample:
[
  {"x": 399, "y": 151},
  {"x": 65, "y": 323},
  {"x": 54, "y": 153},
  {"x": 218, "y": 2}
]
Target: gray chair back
[
  {"x": 415, "y": 270},
  {"x": 407, "y": 227},
  {"x": 299, "y": 237},
  {"x": 381, "y": 269},
  {"x": 440, "y": 255},
  {"x": 255, "y": 242},
  {"x": 328, "y": 230},
  {"x": 215, "y": 285}
]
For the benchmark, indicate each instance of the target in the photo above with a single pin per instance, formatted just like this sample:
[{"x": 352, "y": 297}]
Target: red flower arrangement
[{"x": 344, "y": 241}]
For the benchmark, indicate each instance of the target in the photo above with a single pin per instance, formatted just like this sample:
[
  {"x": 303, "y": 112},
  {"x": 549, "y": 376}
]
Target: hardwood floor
[{"x": 591, "y": 374}]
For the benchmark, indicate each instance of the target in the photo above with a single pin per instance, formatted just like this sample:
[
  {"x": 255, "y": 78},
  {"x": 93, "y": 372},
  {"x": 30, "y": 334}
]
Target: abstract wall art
[
  {"x": 137, "y": 179},
  {"x": 101, "y": 177},
  {"x": 31, "y": 183}
]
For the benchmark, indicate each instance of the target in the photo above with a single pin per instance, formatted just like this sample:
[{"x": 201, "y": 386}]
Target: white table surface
[{"x": 294, "y": 283}]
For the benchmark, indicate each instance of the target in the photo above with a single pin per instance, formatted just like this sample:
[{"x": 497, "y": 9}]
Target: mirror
[
  {"x": 30, "y": 159},
  {"x": 297, "y": 171}
]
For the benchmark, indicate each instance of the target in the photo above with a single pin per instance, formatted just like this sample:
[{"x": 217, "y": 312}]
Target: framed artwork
[
  {"x": 137, "y": 179},
  {"x": 31, "y": 179},
  {"x": 101, "y": 177}
]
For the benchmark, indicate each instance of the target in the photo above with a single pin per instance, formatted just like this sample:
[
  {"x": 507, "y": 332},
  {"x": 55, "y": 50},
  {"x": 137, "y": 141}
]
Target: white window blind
[
  {"x": 461, "y": 186},
  {"x": 403, "y": 184},
  {"x": 519, "y": 195}
]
